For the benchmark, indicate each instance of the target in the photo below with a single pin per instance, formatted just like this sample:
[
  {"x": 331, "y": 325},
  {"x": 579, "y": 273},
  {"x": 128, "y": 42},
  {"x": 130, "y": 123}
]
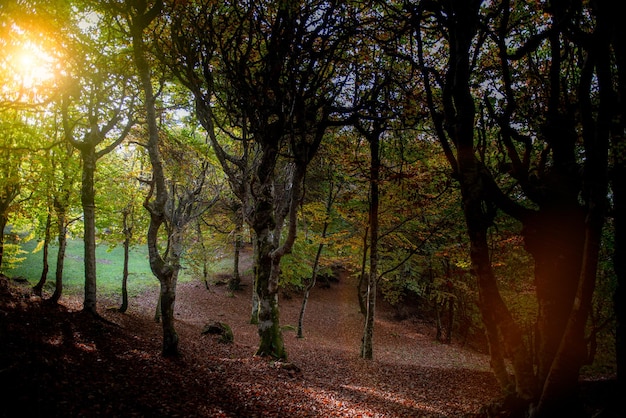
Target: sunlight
[
  {"x": 33, "y": 66},
  {"x": 26, "y": 68}
]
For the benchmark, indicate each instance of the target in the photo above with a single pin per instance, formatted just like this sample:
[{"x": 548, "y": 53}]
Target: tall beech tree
[
  {"x": 97, "y": 111},
  {"x": 276, "y": 70},
  {"x": 551, "y": 136},
  {"x": 89, "y": 137}
]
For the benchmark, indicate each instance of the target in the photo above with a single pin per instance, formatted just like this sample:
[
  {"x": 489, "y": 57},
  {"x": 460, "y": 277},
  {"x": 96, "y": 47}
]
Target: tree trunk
[
  {"x": 560, "y": 390},
  {"x": 367, "y": 346},
  {"x": 7, "y": 196},
  {"x": 361, "y": 289},
  {"x": 235, "y": 281},
  {"x": 267, "y": 267},
  {"x": 168, "y": 280},
  {"x": 62, "y": 225},
  {"x": 310, "y": 285},
  {"x": 89, "y": 218},
  {"x": 164, "y": 271},
  {"x": 316, "y": 262},
  {"x": 444, "y": 331},
  {"x": 619, "y": 263},
  {"x": 271, "y": 207},
  {"x": 3, "y": 223},
  {"x": 554, "y": 237},
  {"x": 168, "y": 297},
  {"x": 271, "y": 338},
  {"x": 205, "y": 267},
  {"x": 46, "y": 248},
  {"x": 618, "y": 186},
  {"x": 254, "y": 310},
  {"x": 128, "y": 235}
]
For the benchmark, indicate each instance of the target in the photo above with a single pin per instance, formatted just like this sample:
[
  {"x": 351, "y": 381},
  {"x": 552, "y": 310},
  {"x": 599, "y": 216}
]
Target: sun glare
[
  {"x": 26, "y": 69},
  {"x": 33, "y": 66}
]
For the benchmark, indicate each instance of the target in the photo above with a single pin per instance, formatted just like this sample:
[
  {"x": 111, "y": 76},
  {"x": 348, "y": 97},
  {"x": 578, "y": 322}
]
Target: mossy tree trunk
[{"x": 271, "y": 207}]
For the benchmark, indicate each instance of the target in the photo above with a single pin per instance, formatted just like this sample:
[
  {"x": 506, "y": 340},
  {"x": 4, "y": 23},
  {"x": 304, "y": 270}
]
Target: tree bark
[
  {"x": 61, "y": 212},
  {"x": 168, "y": 280},
  {"x": 367, "y": 344},
  {"x": 308, "y": 288},
  {"x": 128, "y": 235},
  {"x": 164, "y": 270},
  {"x": 235, "y": 281},
  {"x": 87, "y": 198},
  {"x": 3, "y": 223},
  {"x": 554, "y": 237},
  {"x": 618, "y": 186},
  {"x": 37, "y": 289},
  {"x": 619, "y": 260},
  {"x": 267, "y": 267},
  {"x": 361, "y": 289}
]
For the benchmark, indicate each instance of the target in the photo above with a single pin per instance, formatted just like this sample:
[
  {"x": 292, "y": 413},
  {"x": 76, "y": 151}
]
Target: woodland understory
[{"x": 59, "y": 362}]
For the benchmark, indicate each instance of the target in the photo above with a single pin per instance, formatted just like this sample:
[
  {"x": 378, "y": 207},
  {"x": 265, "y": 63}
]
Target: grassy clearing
[{"x": 109, "y": 269}]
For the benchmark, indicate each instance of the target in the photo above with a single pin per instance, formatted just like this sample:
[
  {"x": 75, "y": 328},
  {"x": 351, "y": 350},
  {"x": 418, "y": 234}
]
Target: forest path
[{"x": 411, "y": 374}]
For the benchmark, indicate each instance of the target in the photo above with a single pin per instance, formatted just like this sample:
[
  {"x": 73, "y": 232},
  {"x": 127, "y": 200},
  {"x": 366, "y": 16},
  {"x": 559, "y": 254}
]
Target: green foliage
[
  {"x": 13, "y": 256},
  {"x": 296, "y": 268}
]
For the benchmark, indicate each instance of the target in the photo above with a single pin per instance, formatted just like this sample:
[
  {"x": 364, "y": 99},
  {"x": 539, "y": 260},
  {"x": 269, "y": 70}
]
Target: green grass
[{"x": 109, "y": 268}]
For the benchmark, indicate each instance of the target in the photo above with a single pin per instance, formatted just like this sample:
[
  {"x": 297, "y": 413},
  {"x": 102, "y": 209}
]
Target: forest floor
[{"x": 57, "y": 361}]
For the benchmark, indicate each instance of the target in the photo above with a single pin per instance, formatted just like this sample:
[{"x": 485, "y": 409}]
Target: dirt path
[{"x": 411, "y": 375}]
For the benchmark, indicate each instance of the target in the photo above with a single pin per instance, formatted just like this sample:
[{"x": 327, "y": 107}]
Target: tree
[
  {"x": 27, "y": 80},
  {"x": 380, "y": 82},
  {"x": 139, "y": 18},
  {"x": 121, "y": 214},
  {"x": 618, "y": 186},
  {"x": 453, "y": 120},
  {"x": 9, "y": 188},
  {"x": 97, "y": 116},
  {"x": 560, "y": 197},
  {"x": 60, "y": 178},
  {"x": 275, "y": 70},
  {"x": 171, "y": 206},
  {"x": 334, "y": 188}
]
